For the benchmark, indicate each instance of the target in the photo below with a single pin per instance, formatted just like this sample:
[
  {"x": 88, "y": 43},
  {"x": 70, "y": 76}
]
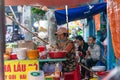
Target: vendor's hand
[
  {"x": 54, "y": 48},
  {"x": 77, "y": 58}
]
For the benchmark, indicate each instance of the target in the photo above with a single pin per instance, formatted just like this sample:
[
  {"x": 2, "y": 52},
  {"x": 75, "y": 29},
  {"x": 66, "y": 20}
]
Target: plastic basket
[{"x": 57, "y": 54}]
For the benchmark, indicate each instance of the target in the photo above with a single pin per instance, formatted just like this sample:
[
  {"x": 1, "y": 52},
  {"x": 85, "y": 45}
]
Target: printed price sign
[{"x": 18, "y": 69}]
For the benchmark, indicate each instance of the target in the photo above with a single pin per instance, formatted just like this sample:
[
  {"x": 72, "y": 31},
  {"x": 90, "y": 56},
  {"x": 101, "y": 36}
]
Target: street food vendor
[{"x": 67, "y": 45}]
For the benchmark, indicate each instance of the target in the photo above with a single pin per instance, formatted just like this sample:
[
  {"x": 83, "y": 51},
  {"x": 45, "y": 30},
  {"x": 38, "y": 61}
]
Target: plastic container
[
  {"x": 33, "y": 54},
  {"x": 45, "y": 67},
  {"x": 98, "y": 68},
  {"x": 36, "y": 75},
  {"x": 56, "y": 54},
  {"x": 51, "y": 68},
  {"x": 73, "y": 75},
  {"x": 41, "y": 48},
  {"x": 21, "y": 53},
  {"x": 6, "y": 56},
  {"x": 9, "y": 50},
  {"x": 13, "y": 56},
  {"x": 57, "y": 71}
]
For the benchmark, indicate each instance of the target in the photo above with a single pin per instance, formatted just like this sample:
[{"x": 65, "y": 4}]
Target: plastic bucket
[{"x": 41, "y": 48}]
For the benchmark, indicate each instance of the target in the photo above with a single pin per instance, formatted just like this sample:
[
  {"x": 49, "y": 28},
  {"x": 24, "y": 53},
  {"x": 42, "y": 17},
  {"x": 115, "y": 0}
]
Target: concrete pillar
[
  {"x": 52, "y": 27},
  {"x": 26, "y": 21}
]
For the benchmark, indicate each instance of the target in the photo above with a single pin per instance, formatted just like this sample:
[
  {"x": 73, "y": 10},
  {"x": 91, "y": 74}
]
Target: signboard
[{"x": 18, "y": 69}]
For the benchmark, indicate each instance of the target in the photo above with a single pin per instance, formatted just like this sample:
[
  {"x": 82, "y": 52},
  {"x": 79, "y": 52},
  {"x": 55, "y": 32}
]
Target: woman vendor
[{"x": 67, "y": 45}]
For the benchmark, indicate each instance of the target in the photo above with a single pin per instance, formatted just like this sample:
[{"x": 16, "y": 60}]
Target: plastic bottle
[
  {"x": 57, "y": 71},
  {"x": 45, "y": 67}
]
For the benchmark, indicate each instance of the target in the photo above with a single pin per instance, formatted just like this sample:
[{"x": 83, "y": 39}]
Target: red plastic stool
[{"x": 74, "y": 75}]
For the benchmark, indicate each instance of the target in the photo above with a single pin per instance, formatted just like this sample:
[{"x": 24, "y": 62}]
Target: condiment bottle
[{"x": 57, "y": 71}]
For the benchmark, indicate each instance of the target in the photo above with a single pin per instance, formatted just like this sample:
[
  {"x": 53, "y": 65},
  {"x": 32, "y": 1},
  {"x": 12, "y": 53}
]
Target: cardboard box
[{"x": 26, "y": 44}]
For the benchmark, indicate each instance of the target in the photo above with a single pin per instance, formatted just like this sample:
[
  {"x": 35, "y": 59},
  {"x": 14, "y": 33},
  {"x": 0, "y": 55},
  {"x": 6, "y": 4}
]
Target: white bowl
[{"x": 98, "y": 68}]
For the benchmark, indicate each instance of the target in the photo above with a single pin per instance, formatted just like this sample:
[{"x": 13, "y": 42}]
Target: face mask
[
  {"x": 91, "y": 45},
  {"x": 63, "y": 40},
  {"x": 76, "y": 45}
]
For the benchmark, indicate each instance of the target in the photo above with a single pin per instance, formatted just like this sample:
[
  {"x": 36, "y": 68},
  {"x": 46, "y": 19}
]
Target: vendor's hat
[{"x": 61, "y": 30}]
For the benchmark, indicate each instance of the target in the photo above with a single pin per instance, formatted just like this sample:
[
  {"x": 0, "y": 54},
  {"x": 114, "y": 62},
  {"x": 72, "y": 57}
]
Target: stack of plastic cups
[{"x": 21, "y": 53}]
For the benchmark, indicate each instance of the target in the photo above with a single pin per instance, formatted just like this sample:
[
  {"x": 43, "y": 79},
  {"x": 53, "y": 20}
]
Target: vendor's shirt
[
  {"x": 95, "y": 52},
  {"x": 70, "y": 63}
]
